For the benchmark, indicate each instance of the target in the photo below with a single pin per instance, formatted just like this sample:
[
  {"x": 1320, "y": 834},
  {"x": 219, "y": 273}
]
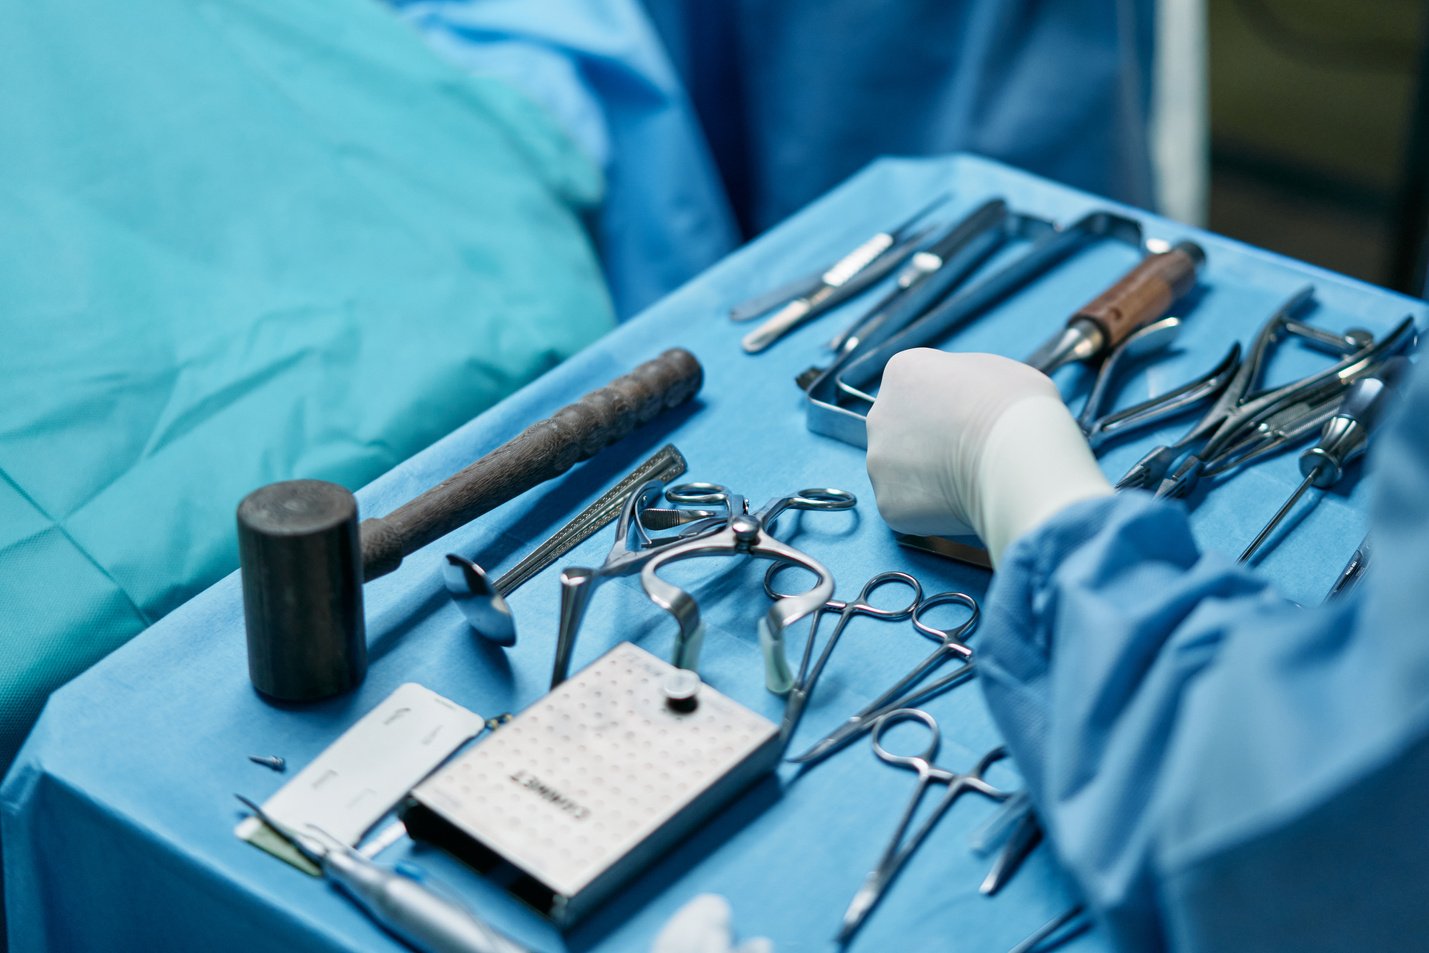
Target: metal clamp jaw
[{"x": 1101, "y": 425}]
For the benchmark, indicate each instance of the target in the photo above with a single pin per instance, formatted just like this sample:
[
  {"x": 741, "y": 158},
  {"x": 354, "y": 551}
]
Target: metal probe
[
  {"x": 399, "y": 903},
  {"x": 1343, "y": 439}
]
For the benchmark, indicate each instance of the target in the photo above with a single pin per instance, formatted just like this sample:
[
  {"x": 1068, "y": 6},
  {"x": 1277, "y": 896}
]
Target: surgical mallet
[
  {"x": 304, "y": 558},
  {"x": 1343, "y": 439}
]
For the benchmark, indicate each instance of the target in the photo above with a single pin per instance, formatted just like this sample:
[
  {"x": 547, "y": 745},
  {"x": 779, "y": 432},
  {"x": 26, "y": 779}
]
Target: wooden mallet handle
[
  {"x": 304, "y": 557},
  {"x": 542, "y": 451}
]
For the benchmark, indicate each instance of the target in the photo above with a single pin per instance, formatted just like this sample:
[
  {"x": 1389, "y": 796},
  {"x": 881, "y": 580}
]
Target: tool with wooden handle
[
  {"x": 1141, "y": 295},
  {"x": 304, "y": 558}
]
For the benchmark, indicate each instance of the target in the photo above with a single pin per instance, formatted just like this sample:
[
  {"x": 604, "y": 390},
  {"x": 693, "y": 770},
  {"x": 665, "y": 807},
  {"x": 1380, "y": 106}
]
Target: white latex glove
[
  {"x": 961, "y": 443},
  {"x": 702, "y": 926}
]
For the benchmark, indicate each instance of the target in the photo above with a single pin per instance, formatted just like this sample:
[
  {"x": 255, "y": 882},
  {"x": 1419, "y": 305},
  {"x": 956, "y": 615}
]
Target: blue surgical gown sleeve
[
  {"x": 598, "y": 69},
  {"x": 1218, "y": 768},
  {"x": 797, "y": 95}
]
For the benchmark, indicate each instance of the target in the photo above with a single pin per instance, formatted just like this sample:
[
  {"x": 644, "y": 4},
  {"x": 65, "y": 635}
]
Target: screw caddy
[{"x": 594, "y": 781}]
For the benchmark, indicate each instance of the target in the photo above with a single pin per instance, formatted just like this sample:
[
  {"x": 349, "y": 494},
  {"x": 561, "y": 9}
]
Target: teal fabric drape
[{"x": 244, "y": 241}]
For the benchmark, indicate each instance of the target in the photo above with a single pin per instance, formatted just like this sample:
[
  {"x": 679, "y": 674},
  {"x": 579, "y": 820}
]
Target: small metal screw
[
  {"x": 269, "y": 761},
  {"x": 497, "y": 721}
]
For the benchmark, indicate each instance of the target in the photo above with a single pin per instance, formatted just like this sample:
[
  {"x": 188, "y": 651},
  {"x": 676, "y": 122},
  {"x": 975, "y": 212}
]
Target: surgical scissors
[
  {"x": 746, "y": 533},
  {"x": 862, "y": 604},
  {"x": 906, "y": 692},
  {"x": 896, "y": 854},
  {"x": 632, "y": 548}
]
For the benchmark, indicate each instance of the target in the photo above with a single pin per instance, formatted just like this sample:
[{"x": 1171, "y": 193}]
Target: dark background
[{"x": 1317, "y": 149}]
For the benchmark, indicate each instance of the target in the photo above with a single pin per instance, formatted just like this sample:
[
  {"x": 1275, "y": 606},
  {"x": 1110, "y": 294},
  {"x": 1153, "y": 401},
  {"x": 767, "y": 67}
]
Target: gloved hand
[
  {"x": 961, "y": 443},
  {"x": 702, "y": 926}
]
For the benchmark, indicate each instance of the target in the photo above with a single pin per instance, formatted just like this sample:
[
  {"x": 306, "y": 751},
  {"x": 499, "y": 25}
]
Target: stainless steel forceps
[
  {"x": 862, "y": 604},
  {"x": 748, "y": 533},
  {"x": 1242, "y": 419},
  {"x": 1099, "y": 426},
  {"x": 633, "y": 547},
  {"x": 907, "y": 691},
  {"x": 1150, "y": 471},
  {"x": 950, "y": 256},
  {"x": 898, "y": 852}
]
